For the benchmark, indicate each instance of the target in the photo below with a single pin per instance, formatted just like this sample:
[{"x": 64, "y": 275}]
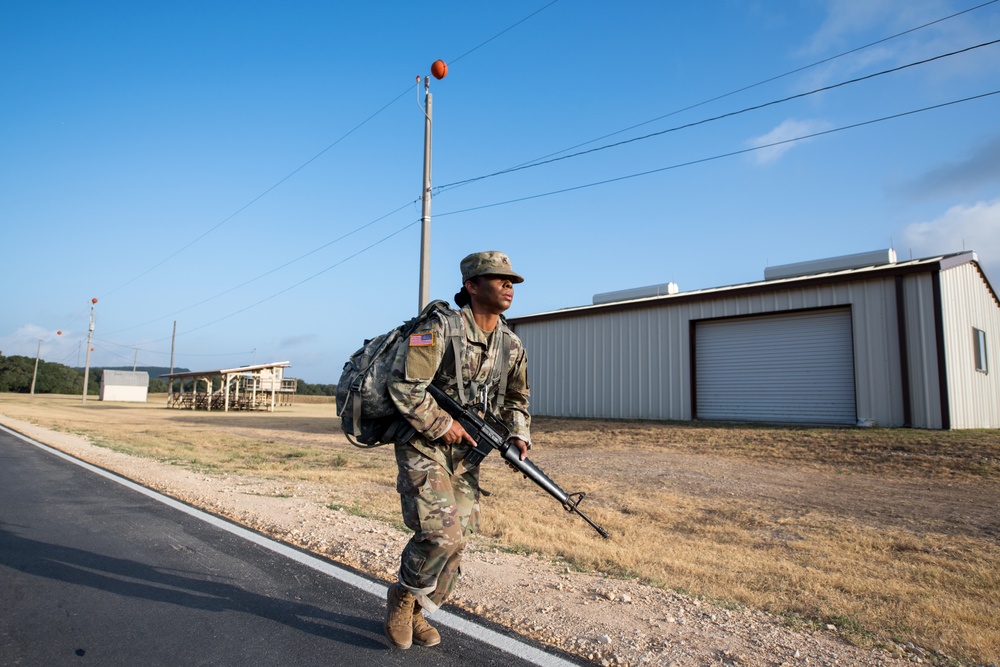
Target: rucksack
[{"x": 367, "y": 413}]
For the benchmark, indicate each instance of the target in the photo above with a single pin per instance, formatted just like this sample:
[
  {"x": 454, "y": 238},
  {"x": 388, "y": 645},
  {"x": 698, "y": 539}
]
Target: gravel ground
[{"x": 606, "y": 621}]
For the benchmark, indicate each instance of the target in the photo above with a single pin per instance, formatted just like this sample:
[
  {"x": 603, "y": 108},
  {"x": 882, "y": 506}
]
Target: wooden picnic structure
[{"x": 258, "y": 387}]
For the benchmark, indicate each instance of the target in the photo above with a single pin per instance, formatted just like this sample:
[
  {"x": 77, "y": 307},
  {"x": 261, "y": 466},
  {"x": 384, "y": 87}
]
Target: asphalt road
[{"x": 95, "y": 572}]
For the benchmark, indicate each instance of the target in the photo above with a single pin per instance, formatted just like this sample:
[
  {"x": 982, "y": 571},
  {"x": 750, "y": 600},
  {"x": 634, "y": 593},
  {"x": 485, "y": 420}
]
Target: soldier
[{"x": 439, "y": 491}]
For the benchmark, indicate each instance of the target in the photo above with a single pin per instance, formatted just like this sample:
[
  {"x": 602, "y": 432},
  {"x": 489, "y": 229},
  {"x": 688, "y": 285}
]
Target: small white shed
[{"x": 125, "y": 386}]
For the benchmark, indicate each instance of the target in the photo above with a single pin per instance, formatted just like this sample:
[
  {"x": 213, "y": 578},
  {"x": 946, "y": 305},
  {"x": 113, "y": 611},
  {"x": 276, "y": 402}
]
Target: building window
[{"x": 979, "y": 344}]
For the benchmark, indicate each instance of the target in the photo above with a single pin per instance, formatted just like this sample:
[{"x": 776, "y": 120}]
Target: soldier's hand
[
  {"x": 522, "y": 446},
  {"x": 457, "y": 434}
]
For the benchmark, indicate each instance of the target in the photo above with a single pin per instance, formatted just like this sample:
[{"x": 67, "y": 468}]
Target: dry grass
[{"x": 886, "y": 534}]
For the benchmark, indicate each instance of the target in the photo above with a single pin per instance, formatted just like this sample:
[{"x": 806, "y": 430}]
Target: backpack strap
[
  {"x": 504, "y": 363},
  {"x": 454, "y": 331}
]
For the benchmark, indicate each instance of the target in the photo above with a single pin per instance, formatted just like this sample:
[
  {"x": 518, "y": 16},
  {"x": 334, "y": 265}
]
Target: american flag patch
[{"x": 422, "y": 339}]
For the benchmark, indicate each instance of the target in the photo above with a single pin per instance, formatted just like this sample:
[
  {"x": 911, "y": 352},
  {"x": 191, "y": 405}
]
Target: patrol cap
[{"x": 488, "y": 263}]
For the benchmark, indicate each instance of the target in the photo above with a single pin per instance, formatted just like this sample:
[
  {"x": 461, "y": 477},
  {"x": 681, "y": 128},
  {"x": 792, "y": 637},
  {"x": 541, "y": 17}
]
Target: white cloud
[
  {"x": 780, "y": 140},
  {"x": 849, "y": 24},
  {"x": 55, "y": 347},
  {"x": 972, "y": 227},
  {"x": 846, "y": 18}
]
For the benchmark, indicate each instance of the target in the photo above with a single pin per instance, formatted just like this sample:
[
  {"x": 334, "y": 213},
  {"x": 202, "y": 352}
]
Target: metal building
[
  {"x": 258, "y": 387},
  {"x": 861, "y": 339},
  {"x": 124, "y": 386}
]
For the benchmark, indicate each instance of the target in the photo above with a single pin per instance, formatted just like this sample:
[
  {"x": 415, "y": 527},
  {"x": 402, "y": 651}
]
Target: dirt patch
[
  {"x": 607, "y": 620},
  {"x": 957, "y": 507}
]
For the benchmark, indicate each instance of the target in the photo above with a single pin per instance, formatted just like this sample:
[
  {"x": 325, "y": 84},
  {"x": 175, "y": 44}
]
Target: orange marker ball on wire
[{"x": 439, "y": 69}]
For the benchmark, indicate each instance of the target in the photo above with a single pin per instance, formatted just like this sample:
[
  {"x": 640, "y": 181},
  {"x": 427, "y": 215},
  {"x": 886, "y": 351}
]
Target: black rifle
[{"x": 490, "y": 433}]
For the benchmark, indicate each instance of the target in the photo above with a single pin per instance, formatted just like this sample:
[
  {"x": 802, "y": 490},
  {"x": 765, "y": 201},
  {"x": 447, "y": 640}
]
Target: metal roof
[
  {"x": 125, "y": 378},
  {"x": 227, "y": 371},
  {"x": 938, "y": 263}
]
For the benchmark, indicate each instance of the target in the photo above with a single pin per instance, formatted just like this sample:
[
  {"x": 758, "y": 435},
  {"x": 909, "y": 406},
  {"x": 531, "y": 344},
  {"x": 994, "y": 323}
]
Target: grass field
[{"x": 887, "y": 534}]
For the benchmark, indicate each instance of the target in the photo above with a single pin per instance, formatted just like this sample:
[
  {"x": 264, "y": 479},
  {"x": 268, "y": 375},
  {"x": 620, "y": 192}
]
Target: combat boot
[
  {"x": 424, "y": 633},
  {"x": 399, "y": 616}
]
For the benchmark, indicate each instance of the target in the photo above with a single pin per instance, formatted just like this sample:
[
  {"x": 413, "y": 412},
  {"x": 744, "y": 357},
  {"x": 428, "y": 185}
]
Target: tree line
[
  {"x": 53, "y": 378},
  {"x": 16, "y": 372}
]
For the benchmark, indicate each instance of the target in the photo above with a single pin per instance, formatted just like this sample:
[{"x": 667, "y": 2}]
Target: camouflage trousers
[{"x": 440, "y": 503}]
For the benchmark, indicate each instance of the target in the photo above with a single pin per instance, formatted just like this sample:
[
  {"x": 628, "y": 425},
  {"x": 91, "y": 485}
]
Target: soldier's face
[{"x": 492, "y": 294}]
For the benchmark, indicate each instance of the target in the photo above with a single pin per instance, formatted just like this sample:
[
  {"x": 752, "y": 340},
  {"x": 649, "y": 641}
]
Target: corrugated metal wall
[
  {"x": 974, "y": 397},
  {"x": 635, "y": 363},
  {"x": 921, "y": 341}
]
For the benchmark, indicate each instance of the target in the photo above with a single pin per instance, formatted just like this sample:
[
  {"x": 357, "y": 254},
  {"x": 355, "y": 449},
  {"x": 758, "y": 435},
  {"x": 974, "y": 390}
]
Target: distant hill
[
  {"x": 16, "y": 373},
  {"x": 154, "y": 371}
]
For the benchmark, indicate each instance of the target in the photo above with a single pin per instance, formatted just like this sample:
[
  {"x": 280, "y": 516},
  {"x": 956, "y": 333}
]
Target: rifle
[{"x": 490, "y": 433}]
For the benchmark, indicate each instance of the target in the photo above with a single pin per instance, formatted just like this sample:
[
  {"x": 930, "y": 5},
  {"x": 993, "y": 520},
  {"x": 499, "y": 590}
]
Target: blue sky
[{"x": 252, "y": 170}]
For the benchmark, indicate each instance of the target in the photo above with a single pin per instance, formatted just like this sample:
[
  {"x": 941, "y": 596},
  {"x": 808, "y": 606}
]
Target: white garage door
[{"x": 777, "y": 368}]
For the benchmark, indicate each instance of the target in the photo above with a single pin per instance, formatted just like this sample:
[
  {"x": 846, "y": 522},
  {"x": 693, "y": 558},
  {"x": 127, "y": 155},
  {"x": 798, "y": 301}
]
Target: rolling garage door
[{"x": 777, "y": 368}]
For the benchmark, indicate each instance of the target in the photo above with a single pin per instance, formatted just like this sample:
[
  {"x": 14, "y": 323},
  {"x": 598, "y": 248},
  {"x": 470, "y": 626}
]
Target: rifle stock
[{"x": 490, "y": 433}]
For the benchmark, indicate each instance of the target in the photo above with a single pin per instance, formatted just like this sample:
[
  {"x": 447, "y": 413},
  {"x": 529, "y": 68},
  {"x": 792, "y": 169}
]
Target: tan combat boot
[
  {"x": 399, "y": 616},
  {"x": 424, "y": 633}
]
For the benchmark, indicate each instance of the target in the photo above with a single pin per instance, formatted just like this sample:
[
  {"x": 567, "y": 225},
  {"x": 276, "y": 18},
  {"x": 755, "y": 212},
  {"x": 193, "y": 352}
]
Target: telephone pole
[
  {"x": 439, "y": 69},
  {"x": 90, "y": 340},
  {"x": 35, "y": 374},
  {"x": 173, "y": 340}
]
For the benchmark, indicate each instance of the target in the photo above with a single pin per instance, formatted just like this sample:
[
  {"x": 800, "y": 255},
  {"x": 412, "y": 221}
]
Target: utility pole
[
  {"x": 38, "y": 356},
  {"x": 173, "y": 339},
  {"x": 90, "y": 340},
  {"x": 135, "y": 359},
  {"x": 439, "y": 69},
  {"x": 35, "y": 374}
]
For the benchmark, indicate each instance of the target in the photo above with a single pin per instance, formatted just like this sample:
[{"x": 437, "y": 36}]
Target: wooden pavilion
[{"x": 259, "y": 387}]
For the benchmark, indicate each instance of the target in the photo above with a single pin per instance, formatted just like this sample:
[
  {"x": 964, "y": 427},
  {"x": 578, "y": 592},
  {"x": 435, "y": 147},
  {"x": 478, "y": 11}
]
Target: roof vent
[
  {"x": 636, "y": 293},
  {"x": 842, "y": 263}
]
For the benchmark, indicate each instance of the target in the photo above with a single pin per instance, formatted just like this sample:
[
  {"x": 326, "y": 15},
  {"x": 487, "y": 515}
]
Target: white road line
[{"x": 485, "y": 635}]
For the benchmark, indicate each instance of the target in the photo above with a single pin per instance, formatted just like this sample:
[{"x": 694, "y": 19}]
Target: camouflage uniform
[{"x": 439, "y": 493}]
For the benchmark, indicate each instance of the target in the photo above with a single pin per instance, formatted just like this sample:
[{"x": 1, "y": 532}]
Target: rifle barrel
[{"x": 594, "y": 525}]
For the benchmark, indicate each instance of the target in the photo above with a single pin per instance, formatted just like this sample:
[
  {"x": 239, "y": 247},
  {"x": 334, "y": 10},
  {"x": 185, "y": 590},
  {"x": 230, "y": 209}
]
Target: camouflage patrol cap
[{"x": 488, "y": 263}]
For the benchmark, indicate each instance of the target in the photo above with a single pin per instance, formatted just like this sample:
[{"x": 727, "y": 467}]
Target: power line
[
  {"x": 269, "y": 272},
  {"x": 590, "y": 185},
  {"x": 768, "y": 80},
  {"x": 167, "y": 353},
  {"x": 311, "y": 160},
  {"x": 508, "y": 29},
  {"x": 258, "y": 197},
  {"x": 301, "y": 282},
  {"x": 677, "y": 128},
  {"x": 528, "y": 164},
  {"x": 586, "y": 186},
  {"x": 117, "y": 354},
  {"x": 315, "y": 250},
  {"x": 718, "y": 157}
]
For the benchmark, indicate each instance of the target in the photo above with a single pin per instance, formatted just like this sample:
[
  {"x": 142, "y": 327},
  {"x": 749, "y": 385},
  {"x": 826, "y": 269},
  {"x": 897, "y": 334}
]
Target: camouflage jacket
[{"x": 428, "y": 357}]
